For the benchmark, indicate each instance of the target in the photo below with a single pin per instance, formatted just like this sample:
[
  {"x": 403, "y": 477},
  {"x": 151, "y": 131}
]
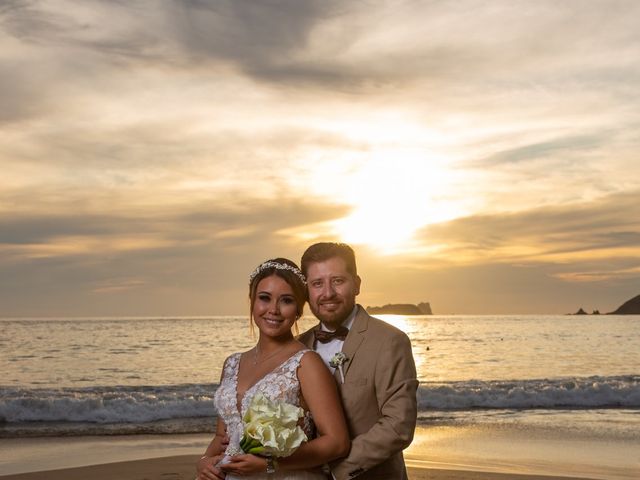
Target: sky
[{"x": 482, "y": 156}]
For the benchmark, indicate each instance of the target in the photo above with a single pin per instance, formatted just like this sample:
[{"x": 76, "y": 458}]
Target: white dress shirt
[{"x": 329, "y": 349}]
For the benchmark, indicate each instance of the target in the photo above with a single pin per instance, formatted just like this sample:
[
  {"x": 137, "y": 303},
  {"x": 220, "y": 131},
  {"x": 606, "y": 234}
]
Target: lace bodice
[{"x": 281, "y": 384}]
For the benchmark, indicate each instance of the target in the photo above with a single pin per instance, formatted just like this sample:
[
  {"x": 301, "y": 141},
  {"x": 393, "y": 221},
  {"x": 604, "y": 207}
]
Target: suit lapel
[{"x": 355, "y": 338}]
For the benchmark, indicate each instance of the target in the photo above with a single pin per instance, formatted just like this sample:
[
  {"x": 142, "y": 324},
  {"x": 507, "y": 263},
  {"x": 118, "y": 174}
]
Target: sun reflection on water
[{"x": 412, "y": 328}]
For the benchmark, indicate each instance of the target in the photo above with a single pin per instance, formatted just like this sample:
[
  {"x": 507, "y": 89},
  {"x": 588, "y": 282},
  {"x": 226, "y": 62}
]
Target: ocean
[{"x": 112, "y": 376}]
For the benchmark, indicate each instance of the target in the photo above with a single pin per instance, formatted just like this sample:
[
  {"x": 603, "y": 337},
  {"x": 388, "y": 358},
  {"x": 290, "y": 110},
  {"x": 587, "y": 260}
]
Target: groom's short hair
[{"x": 319, "y": 252}]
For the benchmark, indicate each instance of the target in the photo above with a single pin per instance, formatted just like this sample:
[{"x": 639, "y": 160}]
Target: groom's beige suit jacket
[{"x": 379, "y": 398}]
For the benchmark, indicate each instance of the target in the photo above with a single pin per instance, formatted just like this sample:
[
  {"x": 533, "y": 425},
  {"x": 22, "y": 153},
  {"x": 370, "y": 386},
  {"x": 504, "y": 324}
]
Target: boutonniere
[{"x": 337, "y": 361}]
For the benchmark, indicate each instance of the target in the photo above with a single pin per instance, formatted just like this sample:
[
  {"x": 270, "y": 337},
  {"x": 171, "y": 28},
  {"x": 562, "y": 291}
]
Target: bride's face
[{"x": 274, "y": 309}]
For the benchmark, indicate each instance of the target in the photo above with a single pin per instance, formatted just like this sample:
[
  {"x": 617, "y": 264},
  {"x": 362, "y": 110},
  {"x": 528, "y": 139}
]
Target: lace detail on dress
[{"x": 281, "y": 384}]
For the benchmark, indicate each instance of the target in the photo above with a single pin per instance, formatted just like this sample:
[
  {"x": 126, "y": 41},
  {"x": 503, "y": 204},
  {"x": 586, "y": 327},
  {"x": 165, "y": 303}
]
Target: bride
[{"x": 281, "y": 369}]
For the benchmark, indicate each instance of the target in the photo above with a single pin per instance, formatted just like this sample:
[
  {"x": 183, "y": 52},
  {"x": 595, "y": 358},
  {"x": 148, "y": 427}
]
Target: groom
[{"x": 377, "y": 380}]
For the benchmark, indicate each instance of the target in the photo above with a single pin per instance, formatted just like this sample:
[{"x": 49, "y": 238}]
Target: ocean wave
[
  {"x": 106, "y": 405},
  {"x": 147, "y": 404},
  {"x": 587, "y": 392}
]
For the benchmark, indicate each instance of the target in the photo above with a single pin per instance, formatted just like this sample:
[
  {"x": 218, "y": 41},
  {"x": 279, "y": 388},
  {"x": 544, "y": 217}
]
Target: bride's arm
[
  {"x": 321, "y": 396},
  {"x": 206, "y": 466}
]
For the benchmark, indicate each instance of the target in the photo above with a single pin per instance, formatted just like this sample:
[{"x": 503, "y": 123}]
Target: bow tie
[{"x": 323, "y": 336}]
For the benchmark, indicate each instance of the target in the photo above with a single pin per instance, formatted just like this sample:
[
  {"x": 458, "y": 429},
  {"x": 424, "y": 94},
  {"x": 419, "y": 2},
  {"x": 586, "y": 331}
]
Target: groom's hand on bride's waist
[{"x": 207, "y": 469}]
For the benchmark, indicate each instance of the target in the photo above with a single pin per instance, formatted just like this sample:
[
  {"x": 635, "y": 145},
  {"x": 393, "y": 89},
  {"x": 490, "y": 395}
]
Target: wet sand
[
  {"x": 182, "y": 467},
  {"x": 437, "y": 452}
]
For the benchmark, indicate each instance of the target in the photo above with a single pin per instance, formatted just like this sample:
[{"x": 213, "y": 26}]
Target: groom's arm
[
  {"x": 395, "y": 391},
  {"x": 206, "y": 467}
]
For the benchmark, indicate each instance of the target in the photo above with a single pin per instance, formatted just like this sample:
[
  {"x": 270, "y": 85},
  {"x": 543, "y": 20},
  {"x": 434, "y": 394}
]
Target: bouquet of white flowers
[{"x": 271, "y": 428}]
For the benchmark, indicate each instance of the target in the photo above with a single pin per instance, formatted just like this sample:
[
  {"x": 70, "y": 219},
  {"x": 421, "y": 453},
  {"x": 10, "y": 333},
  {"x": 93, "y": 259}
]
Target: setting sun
[
  {"x": 393, "y": 195},
  {"x": 394, "y": 174}
]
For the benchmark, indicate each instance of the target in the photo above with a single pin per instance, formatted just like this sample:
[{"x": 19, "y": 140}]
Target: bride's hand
[{"x": 245, "y": 465}]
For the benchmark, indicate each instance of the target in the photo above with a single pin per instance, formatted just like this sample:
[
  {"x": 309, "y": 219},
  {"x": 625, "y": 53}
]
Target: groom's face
[{"x": 332, "y": 291}]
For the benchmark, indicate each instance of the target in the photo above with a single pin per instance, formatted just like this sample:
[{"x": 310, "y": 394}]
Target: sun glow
[
  {"x": 392, "y": 174},
  {"x": 394, "y": 195}
]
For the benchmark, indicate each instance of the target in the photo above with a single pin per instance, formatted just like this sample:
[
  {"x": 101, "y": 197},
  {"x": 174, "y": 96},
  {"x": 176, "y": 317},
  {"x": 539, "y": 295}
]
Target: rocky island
[
  {"x": 423, "y": 308},
  {"x": 630, "y": 307}
]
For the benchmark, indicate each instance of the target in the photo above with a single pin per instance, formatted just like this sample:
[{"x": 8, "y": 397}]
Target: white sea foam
[
  {"x": 138, "y": 405},
  {"x": 107, "y": 404},
  {"x": 589, "y": 392}
]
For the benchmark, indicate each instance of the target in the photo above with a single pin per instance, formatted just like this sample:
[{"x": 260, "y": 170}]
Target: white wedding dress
[{"x": 281, "y": 384}]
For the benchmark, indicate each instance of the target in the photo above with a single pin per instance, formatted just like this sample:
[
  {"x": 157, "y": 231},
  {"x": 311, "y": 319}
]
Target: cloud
[
  {"x": 599, "y": 276},
  {"x": 140, "y": 137},
  {"x": 118, "y": 285},
  {"x": 21, "y": 97},
  {"x": 198, "y": 255},
  {"x": 570, "y": 236},
  {"x": 232, "y": 223},
  {"x": 568, "y": 146},
  {"x": 434, "y": 57},
  {"x": 251, "y": 33},
  {"x": 359, "y": 46}
]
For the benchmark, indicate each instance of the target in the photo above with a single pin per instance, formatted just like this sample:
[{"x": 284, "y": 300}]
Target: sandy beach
[
  {"x": 472, "y": 453},
  {"x": 182, "y": 468}
]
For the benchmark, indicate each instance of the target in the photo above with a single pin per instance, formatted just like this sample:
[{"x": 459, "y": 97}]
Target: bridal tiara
[{"x": 278, "y": 266}]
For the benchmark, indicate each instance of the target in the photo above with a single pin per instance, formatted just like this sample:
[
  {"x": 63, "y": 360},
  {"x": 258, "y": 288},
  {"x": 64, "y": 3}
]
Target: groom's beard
[{"x": 333, "y": 311}]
